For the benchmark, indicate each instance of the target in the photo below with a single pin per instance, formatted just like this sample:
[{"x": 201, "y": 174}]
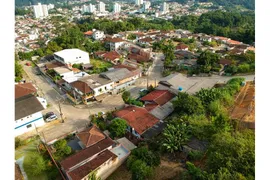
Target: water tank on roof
[{"x": 180, "y": 88}]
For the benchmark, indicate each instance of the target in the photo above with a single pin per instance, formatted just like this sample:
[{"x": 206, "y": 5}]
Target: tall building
[
  {"x": 116, "y": 8},
  {"x": 50, "y": 6},
  {"x": 40, "y": 11},
  {"x": 164, "y": 7},
  {"x": 45, "y": 10},
  {"x": 101, "y": 7},
  {"x": 92, "y": 8},
  {"x": 138, "y": 2},
  {"x": 146, "y": 5},
  {"x": 89, "y": 9},
  {"x": 85, "y": 9}
]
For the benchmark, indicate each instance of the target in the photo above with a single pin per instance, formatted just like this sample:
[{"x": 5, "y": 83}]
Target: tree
[
  {"x": 233, "y": 151},
  {"x": 207, "y": 58},
  {"x": 150, "y": 158},
  {"x": 208, "y": 95},
  {"x": 175, "y": 135},
  {"x": 140, "y": 170},
  {"x": 131, "y": 36},
  {"x": 126, "y": 96},
  {"x": 34, "y": 164},
  {"x": 168, "y": 51},
  {"x": 18, "y": 71},
  {"x": 118, "y": 127},
  {"x": 188, "y": 104},
  {"x": 62, "y": 149}
]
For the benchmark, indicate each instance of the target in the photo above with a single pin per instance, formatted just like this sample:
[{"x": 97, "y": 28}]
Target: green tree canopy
[
  {"x": 118, "y": 127},
  {"x": 62, "y": 149},
  {"x": 235, "y": 152},
  {"x": 188, "y": 104},
  {"x": 34, "y": 164},
  {"x": 207, "y": 58}
]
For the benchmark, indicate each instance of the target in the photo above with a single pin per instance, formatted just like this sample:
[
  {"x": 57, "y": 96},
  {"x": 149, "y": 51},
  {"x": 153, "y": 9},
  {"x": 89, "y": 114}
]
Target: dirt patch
[
  {"x": 167, "y": 170},
  {"x": 244, "y": 106},
  {"x": 121, "y": 173}
]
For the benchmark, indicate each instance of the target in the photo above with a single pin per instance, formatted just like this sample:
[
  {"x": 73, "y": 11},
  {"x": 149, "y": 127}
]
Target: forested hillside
[
  {"x": 237, "y": 26},
  {"x": 249, "y": 4}
]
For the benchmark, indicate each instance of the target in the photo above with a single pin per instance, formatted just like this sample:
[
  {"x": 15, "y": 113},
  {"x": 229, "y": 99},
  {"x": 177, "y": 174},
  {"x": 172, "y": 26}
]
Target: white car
[{"x": 51, "y": 118}]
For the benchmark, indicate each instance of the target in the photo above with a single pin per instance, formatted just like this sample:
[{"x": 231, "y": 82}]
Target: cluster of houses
[
  {"x": 100, "y": 154},
  {"x": 29, "y": 31},
  {"x": 82, "y": 87}
]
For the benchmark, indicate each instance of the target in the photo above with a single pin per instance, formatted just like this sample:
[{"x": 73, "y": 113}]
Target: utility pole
[{"x": 60, "y": 110}]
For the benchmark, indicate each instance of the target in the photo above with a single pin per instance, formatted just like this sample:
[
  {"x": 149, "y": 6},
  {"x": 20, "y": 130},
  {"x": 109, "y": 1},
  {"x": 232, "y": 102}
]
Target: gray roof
[
  {"x": 95, "y": 80},
  {"x": 154, "y": 131},
  {"x": 126, "y": 143},
  {"x": 26, "y": 106},
  {"x": 161, "y": 112},
  {"x": 117, "y": 74}
]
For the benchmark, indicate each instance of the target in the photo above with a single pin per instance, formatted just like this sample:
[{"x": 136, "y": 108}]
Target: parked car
[{"x": 51, "y": 118}]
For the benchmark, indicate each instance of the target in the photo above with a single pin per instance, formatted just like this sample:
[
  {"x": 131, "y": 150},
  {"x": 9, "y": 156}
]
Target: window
[
  {"x": 29, "y": 126},
  {"x": 105, "y": 88}
]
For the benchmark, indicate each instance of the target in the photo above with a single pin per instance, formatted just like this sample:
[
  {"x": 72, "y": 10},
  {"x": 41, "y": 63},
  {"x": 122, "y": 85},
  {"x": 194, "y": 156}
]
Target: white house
[
  {"x": 72, "y": 56},
  {"x": 97, "y": 35},
  {"x": 28, "y": 114},
  {"x": 64, "y": 72}
]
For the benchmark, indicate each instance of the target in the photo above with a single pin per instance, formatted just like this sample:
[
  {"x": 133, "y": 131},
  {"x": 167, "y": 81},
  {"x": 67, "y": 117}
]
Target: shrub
[
  {"x": 216, "y": 108},
  {"x": 195, "y": 155},
  {"x": 166, "y": 73},
  {"x": 34, "y": 164},
  {"x": 18, "y": 142},
  {"x": 140, "y": 170},
  {"x": 62, "y": 149}
]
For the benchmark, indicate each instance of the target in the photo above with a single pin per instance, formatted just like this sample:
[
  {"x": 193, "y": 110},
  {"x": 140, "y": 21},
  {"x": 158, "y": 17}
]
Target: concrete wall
[
  {"x": 109, "y": 87},
  {"x": 28, "y": 123}
]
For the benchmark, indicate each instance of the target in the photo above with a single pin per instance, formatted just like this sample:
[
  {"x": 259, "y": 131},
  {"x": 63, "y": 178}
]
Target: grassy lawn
[
  {"x": 100, "y": 64},
  {"x": 29, "y": 147}
]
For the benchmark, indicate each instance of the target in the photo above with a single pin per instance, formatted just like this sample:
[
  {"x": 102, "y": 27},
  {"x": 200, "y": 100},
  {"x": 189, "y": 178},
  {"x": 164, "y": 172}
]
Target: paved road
[{"x": 75, "y": 117}]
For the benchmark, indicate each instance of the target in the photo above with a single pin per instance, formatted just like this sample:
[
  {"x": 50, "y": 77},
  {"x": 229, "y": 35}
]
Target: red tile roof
[
  {"x": 138, "y": 118},
  {"x": 24, "y": 89},
  {"x": 100, "y": 53},
  {"x": 89, "y": 33},
  {"x": 233, "y": 42},
  {"x": 150, "y": 107},
  {"x": 112, "y": 55},
  {"x": 147, "y": 39},
  {"x": 159, "y": 97},
  {"x": 181, "y": 46},
  {"x": 82, "y": 171},
  {"x": 130, "y": 68},
  {"x": 91, "y": 136},
  {"x": 222, "y": 38},
  {"x": 82, "y": 86},
  {"x": 137, "y": 57},
  {"x": 225, "y": 61},
  {"x": 114, "y": 40},
  {"x": 85, "y": 154}
]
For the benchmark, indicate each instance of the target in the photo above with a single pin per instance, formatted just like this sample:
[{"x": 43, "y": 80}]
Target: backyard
[{"x": 100, "y": 65}]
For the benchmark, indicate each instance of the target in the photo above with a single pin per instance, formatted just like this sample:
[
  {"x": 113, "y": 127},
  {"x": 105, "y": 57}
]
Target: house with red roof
[
  {"x": 139, "y": 120},
  {"x": 182, "y": 46},
  {"x": 158, "y": 103},
  {"x": 99, "y": 154},
  {"x": 112, "y": 57},
  {"x": 158, "y": 97}
]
